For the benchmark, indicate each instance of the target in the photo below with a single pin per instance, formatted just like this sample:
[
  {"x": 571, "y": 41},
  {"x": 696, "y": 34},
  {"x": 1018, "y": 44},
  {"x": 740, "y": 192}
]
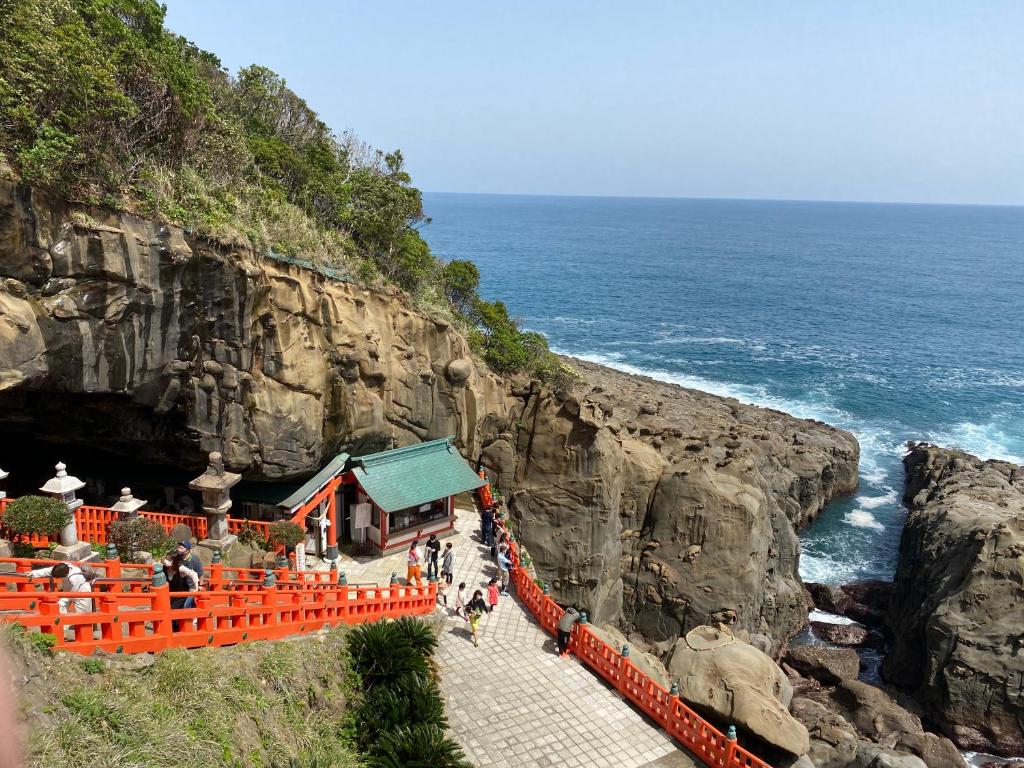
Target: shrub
[
  {"x": 419, "y": 744},
  {"x": 22, "y": 549},
  {"x": 420, "y": 636},
  {"x": 139, "y": 535},
  {"x": 287, "y": 534},
  {"x": 36, "y": 515},
  {"x": 250, "y": 534},
  {"x": 386, "y": 708},
  {"x": 42, "y": 641},
  {"x": 92, "y": 666},
  {"x": 383, "y": 654}
]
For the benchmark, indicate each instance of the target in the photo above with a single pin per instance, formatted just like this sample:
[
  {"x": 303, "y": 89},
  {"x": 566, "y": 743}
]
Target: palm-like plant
[
  {"x": 420, "y": 636},
  {"x": 382, "y": 654},
  {"x": 418, "y": 746},
  {"x": 412, "y": 699}
]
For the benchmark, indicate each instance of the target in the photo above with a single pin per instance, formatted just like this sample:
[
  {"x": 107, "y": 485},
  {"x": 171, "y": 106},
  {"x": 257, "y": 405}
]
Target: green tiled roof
[
  {"x": 408, "y": 477},
  {"x": 315, "y": 483}
]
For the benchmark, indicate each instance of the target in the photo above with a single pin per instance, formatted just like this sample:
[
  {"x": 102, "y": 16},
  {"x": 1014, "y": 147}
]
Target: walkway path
[{"x": 512, "y": 701}]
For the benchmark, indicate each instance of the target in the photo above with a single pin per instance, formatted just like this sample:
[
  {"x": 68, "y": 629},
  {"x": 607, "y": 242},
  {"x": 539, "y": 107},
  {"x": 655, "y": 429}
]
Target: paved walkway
[{"x": 512, "y": 701}]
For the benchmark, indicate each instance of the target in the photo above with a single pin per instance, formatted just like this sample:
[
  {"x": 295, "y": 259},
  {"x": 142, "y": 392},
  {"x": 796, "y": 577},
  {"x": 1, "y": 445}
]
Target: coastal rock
[
  {"x": 868, "y": 601},
  {"x": 738, "y": 684},
  {"x": 661, "y": 538},
  {"x": 828, "y": 598},
  {"x": 957, "y": 609},
  {"x": 828, "y": 665},
  {"x": 841, "y": 634},
  {"x": 199, "y": 346}
]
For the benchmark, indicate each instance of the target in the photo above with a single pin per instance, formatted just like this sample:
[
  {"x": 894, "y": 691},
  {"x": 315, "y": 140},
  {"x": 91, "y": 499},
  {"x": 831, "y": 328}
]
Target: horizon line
[{"x": 725, "y": 199}]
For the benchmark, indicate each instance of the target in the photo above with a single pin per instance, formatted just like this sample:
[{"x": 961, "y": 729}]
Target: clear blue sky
[{"x": 802, "y": 99}]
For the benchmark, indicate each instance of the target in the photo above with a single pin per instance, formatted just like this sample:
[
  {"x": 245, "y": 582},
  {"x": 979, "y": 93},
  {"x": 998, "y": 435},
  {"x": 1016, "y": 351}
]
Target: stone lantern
[
  {"x": 3, "y": 476},
  {"x": 63, "y": 487},
  {"x": 215, "y": 484},
  {"x": 127, "y": 506}
]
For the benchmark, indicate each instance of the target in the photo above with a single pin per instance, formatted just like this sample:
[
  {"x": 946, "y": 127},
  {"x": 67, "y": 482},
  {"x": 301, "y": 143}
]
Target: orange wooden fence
[
  {"x": 701, "y": 738},
  {"x": 133, "y": 611},
  {"x": 91, "y": 523}
]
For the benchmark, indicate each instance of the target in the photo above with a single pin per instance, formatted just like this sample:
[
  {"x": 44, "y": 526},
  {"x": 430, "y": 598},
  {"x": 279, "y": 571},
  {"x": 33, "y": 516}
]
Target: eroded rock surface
[
  {"x": 146, "y": 340},
  {"x": 957, "y": 610},
  {"x": 662, "y": 508}
]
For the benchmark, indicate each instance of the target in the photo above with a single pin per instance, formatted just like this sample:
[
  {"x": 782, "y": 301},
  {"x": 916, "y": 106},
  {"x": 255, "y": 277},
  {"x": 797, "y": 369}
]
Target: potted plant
[{"x": 31, "y": 516}]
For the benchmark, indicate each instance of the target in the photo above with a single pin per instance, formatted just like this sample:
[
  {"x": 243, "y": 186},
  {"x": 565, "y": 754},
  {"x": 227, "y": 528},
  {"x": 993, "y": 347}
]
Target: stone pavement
[{"x": 512, "y": 701}]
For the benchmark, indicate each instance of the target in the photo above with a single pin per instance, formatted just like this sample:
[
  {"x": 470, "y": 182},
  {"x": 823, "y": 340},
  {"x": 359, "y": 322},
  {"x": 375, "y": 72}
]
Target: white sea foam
[
  {"x": 861, "y": 518},
  {"x": 825, "y": 570},
  {"x": 874, "y": 502},
  {"x": 828, "y": 618},
  {"x": 986, "y": 441},
  {"x": 697, "y": 340}
]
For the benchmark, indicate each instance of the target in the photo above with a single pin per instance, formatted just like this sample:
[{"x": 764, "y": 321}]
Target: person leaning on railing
[
  {"x": 72, "y": 579},
  {"x": 565, "y": 625}
]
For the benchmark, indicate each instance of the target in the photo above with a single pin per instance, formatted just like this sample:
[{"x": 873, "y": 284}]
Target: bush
[
  {"x": 36, "y": 515},
  {"x": 250, "y": 534},
  {"x": 419, "y": 744},
  {"x": 285, "y": 533},
  {"x": 386, "y": 708},
  {"x": 383, "y": 654},
  {"x": 139, "y": 535}
]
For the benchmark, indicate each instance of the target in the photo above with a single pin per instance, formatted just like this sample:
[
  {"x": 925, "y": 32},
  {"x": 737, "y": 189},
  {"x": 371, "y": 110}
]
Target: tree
[
  {"x": 285, "y": 533},
  {"x": 137, "y": 535},
  {"x": 36, "y": 516},
  {"x": 461, "y": 280}
]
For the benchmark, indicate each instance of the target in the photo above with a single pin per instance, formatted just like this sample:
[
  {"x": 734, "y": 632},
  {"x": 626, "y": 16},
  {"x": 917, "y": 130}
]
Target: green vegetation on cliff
[{"x": 101, "y": 104}]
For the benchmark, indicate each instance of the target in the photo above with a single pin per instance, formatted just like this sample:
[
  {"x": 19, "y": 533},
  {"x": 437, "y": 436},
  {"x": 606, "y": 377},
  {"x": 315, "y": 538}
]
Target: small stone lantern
[
  {"x": 215, "y": 484},
  {"x": 128, "y": 506},
  {"x": 63, "y": 487}
]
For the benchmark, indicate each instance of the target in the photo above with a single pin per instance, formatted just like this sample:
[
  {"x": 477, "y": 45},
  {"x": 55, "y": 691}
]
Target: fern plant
[{"x": 418, "y": 746}]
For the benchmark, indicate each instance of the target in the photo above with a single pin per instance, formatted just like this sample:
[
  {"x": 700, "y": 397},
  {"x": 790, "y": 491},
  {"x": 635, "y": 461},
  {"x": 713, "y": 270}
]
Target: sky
[{"x": 913, "y": 101}]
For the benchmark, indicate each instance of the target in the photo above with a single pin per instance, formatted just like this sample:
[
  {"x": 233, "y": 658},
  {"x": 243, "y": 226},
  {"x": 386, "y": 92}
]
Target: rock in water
[
  {"x": 829, "y": 665},
  {"x": 957, "y": 610},
  {"x": 841, "y": 634},
  {"x": 739, "y": 684}
]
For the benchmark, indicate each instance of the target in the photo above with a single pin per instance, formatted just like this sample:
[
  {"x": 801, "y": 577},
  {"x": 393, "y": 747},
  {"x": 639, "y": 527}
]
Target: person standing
[
  {"x": 433, "y": 550},
  {"x": 189, "y": 558},
  {"x": 448, "y": 564},
  {"x": 474, "y": 610},
  {"x": 415, "y": 559},
  {"x": 565, "y": 625},
  {"x": 504, "y": 568},
  {"x": 181, "y": 578},
  {"x": 492, "y": 594},
  {"x": 487, "y": 525}
]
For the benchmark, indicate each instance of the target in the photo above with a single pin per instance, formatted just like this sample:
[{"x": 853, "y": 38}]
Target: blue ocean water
[{"x": 897, "y": 322}]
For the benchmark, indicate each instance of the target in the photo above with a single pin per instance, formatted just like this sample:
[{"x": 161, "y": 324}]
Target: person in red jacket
[{"x": 492, "y": 594}]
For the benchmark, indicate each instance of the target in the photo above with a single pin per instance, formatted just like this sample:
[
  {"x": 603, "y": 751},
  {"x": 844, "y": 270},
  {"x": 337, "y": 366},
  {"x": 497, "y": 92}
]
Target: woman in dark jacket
[{"x": 474, "y": 610}]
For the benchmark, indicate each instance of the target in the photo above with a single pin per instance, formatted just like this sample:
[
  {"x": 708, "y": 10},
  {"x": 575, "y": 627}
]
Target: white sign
[
  {"x": 300, "y": 557},
  {"x": 361, "y": 519}
]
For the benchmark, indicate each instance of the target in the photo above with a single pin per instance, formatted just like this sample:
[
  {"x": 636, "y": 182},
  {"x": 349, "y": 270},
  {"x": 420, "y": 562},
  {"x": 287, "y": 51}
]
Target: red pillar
[{"x": 332, "y": 518}]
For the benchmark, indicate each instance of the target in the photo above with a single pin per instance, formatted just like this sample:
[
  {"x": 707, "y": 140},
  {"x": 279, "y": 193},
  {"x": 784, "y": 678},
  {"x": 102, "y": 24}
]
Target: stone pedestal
[
  {"x": 64, "y": 487},
  {"x": 215, "y": 484}
]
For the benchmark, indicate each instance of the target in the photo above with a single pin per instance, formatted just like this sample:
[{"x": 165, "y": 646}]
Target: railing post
[
  {"x": 269, "y": 599},
  {"x": 625, "y": 665},
  {"x": 216, "y": 570},
  {"x": 730, "y": 752},
  {"x": 113, "y": 562},
  {"x": 162, "y": 626}
]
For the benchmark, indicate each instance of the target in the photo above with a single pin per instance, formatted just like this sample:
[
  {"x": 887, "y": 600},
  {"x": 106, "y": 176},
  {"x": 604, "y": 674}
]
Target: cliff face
[
  {"x": 140, "y": 338},
  {"x": 956, "y": 614},
  {"x": 665, "y": 508},
  {"x": 655, "y": 506}
]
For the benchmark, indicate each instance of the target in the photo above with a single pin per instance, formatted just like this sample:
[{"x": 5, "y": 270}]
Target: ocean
[{"x": 896, "y": 322}]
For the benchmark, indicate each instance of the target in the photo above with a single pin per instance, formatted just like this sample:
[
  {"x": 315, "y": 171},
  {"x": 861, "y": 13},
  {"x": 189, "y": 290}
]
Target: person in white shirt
[
  {"x": 461, "y": 600},
  {"x": 72, "y": 579}
]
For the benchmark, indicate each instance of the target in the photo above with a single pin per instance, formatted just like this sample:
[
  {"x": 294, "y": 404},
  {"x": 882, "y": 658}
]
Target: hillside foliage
[{"x": 101, "y": 104}]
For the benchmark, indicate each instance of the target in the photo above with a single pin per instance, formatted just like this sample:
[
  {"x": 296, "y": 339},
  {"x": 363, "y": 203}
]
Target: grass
[{"x": 281, "y": 704}]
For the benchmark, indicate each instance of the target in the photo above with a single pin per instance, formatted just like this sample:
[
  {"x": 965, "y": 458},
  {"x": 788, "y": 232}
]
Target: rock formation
[
  {"x": 957, "y": 610},
  {"x": 156, "y": 343},
  {"x": 662, "y": 508},
  {"x": 657, "y": 507},
  {"x": 737, "y": 683}
]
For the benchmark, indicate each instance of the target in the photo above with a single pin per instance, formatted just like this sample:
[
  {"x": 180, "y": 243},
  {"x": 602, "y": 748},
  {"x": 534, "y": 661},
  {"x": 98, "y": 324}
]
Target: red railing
[
  {"x": 134, "y": 615},
  {"x": 91, "y": 523},
  {"x": 701, "y": 738}
]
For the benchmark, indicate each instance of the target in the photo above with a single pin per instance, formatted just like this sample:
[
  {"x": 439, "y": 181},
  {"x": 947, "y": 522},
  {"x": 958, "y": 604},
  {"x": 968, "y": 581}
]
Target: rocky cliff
[
  {"x": 662, "y": 508},
  {"x": 957, "y": 610},
  {"x": 659, "y": 508},
  {"x": 146, "y": 340}
]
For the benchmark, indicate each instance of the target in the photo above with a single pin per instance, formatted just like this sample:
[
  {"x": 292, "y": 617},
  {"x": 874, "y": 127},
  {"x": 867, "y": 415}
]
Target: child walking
[
  {"x": 474, "y": 610},
  {"x": 492, "y": 594},
  {"x": 460, "y": 601}
]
